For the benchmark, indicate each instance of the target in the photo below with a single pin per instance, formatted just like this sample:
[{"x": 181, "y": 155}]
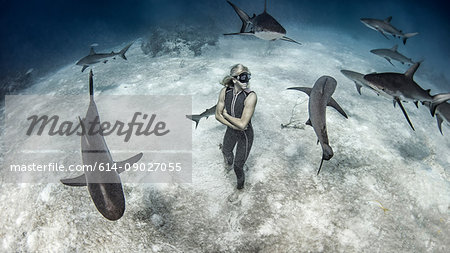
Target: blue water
[{"x": 46, "y": 35}]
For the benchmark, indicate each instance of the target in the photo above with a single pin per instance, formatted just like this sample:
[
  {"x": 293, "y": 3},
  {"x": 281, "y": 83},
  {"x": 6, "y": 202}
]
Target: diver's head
[{"x": 239, "y": 75}]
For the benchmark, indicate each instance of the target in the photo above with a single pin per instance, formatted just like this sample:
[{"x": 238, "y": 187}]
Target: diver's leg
[
  {"x": 244, "y": 146},
  {"x": 229, "y": 141}
]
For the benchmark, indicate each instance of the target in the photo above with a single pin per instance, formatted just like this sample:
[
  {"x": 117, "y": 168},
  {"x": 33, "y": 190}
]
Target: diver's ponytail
[{"x": 227, "y": 81}]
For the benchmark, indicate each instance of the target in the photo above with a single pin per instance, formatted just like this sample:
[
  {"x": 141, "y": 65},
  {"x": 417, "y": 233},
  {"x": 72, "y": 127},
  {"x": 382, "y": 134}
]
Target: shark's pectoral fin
[
  {"x": 289, "y": 40},
  {"x": 76, "y": 181},
  {"x": 417, "y": 104},
  {"x": 439, "y": 122},
  {"x": 358, "y": 87},
  {"x": 127, "y": 163},
  {"x": 387, "y": 59},
  {"x": 304, "y": 89},
  {"x": 383, "y": 33},
  {"x": 404, "y": 113},
  {"x": 336, "y": 106},
  {"x": 394, "y": 102},
  {"x": 84, "y": 67}
]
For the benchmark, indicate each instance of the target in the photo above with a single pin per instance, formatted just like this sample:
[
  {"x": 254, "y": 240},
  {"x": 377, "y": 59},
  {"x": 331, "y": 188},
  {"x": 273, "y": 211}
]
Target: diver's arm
[
  {"x": 249, "y": 109},
  {"x": 219, "y": 109}
]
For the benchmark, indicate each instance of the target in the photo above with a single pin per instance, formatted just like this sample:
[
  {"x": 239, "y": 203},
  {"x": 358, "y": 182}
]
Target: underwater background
[
  {"x": 387, "y": 188},
  {"x": 46, "y": 35}
]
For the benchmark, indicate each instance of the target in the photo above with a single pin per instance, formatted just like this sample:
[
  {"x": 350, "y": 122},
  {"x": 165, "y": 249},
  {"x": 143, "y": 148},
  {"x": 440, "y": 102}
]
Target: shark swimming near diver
[
  {"x": 197, "y": 117},
  {"x": 262, "y": 26},
  {"x": 385, "y": 27},
  {"x": 105, "y": 186},
  {"x": 402, "y": 87},
  {"x": 319, "y": 98},
  {"x": 93, "y": 57},
  {"x": 392, "y": 54}
]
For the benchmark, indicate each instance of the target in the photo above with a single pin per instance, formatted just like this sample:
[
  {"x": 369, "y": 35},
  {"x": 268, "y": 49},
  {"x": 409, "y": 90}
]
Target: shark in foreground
[
  {"x": 392, "y": 54},
  {"x": 105, "y": 186},
  {"x": 263, "y": 26},
  {"x": 205, "y": 114},
  {"x": 402, "y": 87},
  {"x": 319, "y": 99},
  {"x": 385, "y": 27},
  {"x": 93, "y": 57}
]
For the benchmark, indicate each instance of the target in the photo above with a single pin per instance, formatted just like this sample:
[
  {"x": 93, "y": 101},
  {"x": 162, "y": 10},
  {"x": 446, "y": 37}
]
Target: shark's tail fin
[
  {"x": 124, "y": 50},
  {"x": 91, "y": 84},
  {"x": 242, "y": 15},
  {"x": 437, "y": 100},
  {"x": 195, "y": 118},
  {"x": 327, "y": 155},
  {"x": 407, "y": 36}
]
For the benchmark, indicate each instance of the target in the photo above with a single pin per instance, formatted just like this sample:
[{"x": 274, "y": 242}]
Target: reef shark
[
  {"x": 319, "y": 98},
  {"x": 263, "y": 26},
  {"x": 385, "y": 27},
  {"x": 392, "y": 54},
  {"x": 205, "y": 114},
  {"x": 94, "y": 57},
  {"x": 104, "y": 186},
  {"x": 402, "y": 87}
]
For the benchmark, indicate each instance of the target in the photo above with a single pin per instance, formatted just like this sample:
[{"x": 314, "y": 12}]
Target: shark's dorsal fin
[
  {"x": 92, "y": 51},
  {"x": 388, "y": 19},
  {"x": 394, "y": 48},
  {"x": 122, "y": 165},
  {"x": 410, "y": 72},
  {"x": 91, "y": 84}
]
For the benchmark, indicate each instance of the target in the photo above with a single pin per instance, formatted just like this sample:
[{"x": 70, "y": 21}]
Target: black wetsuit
[{"x": 234, "y": 104}]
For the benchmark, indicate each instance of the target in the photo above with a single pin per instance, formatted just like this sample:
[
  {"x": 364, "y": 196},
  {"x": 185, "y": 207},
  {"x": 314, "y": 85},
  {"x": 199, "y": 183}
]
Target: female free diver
[{"x": 235, "y": 109}]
